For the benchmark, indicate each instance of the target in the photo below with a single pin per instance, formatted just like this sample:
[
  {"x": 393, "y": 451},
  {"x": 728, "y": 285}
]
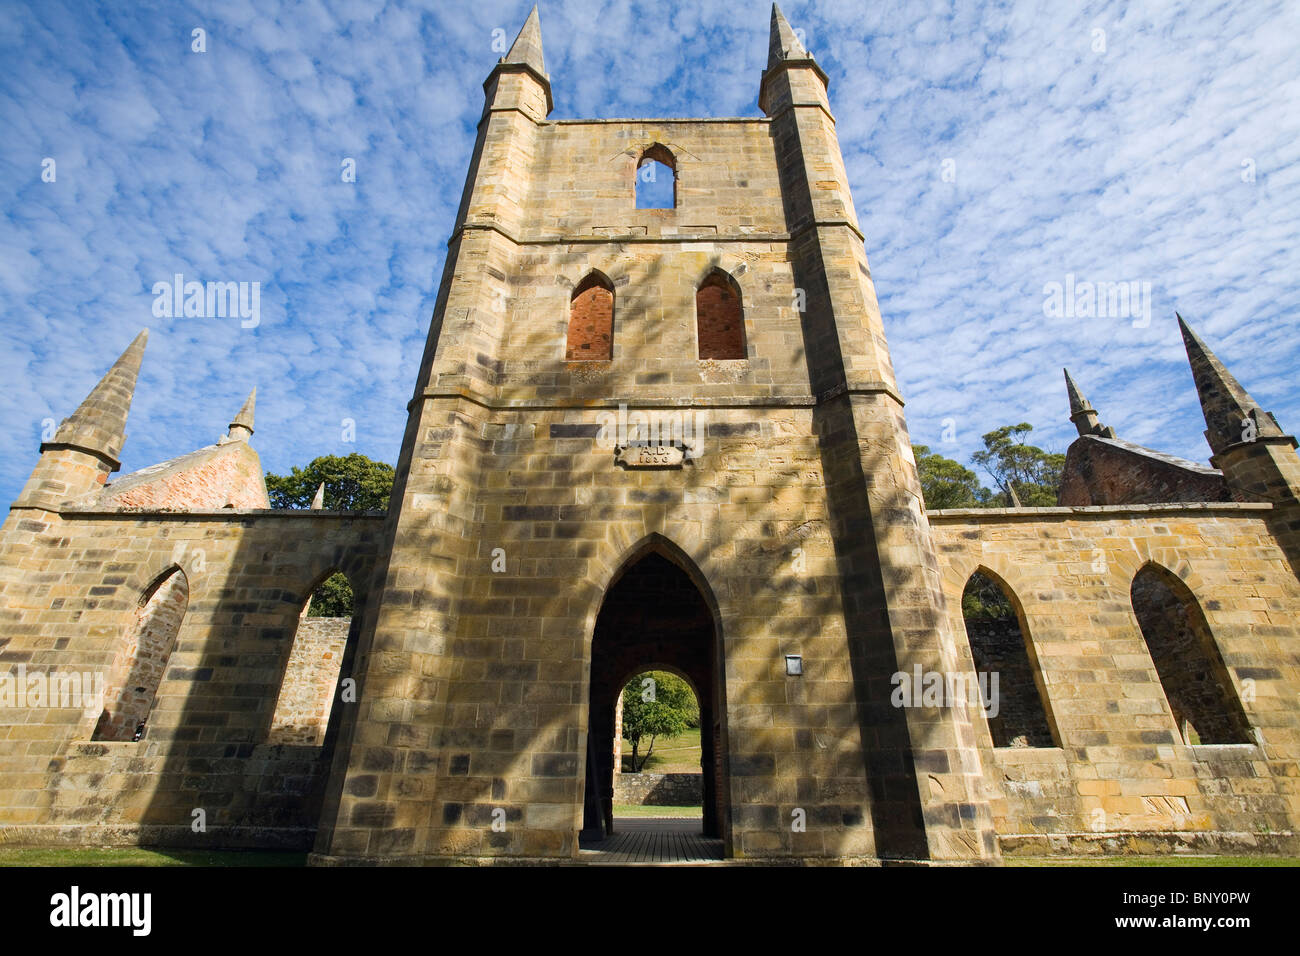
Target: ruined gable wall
[
  {"x": 224, "y": 476},
  {"x": 1099, "y": 473}
]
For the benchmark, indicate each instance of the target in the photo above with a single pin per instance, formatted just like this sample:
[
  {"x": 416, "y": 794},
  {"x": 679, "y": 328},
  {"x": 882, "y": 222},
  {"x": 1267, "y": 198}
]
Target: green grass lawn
[
  {"x": 140, "y": 856},
  {"x": 630, "y": 810},
  {"x": 674, "y": 755}
]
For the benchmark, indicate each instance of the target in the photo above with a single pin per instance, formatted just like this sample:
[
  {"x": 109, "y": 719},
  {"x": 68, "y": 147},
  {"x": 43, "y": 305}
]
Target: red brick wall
[
  {"x": 720, "y": 321},
  {"x": 1097, "y": 473},
  {"x": 226, "y": 477},
  {"x": 591, "y": 326}
]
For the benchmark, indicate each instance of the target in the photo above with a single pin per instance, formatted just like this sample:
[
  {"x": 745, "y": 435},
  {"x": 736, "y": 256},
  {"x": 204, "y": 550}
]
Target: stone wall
[
  {"x": 306, "y": 699},
  {"x": 659, "y": 789},
  {"x": 1122, "y": 776},
  {"x": 75, "y": 603}
]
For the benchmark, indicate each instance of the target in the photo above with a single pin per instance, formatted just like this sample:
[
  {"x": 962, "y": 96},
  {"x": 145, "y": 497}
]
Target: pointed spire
[
  {"x": 1226, "y": 405},
  {"x": 98, "y": 425},
  {"x": 241, "y": 428},
  {"x": 786, "y": 80},
  {"x": 1077, "y": 402},
  {"x": 318, "y": 502},
  {"x": 527, "y": 48},
  {"x": 1082, "y": 413},
  {"x": 525, "y": 60},
  {"x": 783, "y": 43}
]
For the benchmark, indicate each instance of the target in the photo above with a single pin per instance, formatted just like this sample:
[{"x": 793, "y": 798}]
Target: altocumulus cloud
[{"x": 992, "y": 149}]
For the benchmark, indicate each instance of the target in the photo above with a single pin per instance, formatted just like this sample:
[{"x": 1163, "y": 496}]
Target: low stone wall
[{"x": 659, "y": 789}]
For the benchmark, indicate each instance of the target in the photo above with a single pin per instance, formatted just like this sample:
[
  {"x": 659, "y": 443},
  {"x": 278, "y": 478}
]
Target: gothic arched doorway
[{"x": 654, "y": 617}]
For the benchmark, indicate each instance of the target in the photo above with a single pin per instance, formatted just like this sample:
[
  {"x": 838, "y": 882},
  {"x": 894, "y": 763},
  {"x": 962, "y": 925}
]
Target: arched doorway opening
[
  {"x": 654, "y": 617},
  {"x": 657, "y": 726}
]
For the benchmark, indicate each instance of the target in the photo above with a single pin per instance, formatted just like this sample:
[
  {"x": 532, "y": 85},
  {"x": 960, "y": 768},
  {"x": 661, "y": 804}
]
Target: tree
[
  {"x": 1034, "y": 474},
  {"x": 656, "y": 704},
  {"x": 946, "y": 483},
  {"x": 333, "y": 598},
  {"x": 984, "y": 600},
  {"x": 354, "y": 483}
]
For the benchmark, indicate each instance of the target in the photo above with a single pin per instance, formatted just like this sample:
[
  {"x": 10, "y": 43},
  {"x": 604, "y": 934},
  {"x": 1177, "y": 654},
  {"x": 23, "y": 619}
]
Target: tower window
[
  {"x": 656, "y": 179},
  {"x": 720, "y": 318},
  {"x": 591, "y": 321}
]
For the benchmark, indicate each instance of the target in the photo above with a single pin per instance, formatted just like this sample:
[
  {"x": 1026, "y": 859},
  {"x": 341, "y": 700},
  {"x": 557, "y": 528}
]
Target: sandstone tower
[{"x": 533, "y": 569}]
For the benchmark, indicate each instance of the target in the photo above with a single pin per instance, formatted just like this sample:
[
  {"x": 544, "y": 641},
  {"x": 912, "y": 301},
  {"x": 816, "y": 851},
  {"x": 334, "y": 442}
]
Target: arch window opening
[
  {"x": 591, "y": 321},
  {"x": 720, "y": 318},
  {"x": 656, "y": 179},
  {"x": 1205, "y": 707},
  {"x": 999, "y": 643},
  {"x": 312, "y": 681},
  {"x": 138, "y": 669}
]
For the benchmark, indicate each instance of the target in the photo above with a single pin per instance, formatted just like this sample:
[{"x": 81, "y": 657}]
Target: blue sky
[{"x": 992, "y": 148}]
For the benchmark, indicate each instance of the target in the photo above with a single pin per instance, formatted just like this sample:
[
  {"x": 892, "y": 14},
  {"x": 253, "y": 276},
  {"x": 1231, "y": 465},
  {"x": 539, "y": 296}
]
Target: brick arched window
[
  {"x": 591, "y": 321},
  {"x": 720, "y": 318},
  {"x": 656, "y": 179}
]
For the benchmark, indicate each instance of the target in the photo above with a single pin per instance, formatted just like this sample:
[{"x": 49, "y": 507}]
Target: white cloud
[{"x": 1124, "y": 164}]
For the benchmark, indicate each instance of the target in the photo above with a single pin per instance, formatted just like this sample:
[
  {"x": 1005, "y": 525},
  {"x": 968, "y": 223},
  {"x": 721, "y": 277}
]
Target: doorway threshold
[{"x": 653, "y": 841}]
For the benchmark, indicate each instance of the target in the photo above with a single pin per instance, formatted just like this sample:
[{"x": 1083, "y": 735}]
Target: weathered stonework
[
  {"x": 1122, "y": 770},
  {"x": 659, "y": 789},
  {"x": 306, "y": 700},
  {"x": 536, "y": 555},
  {"x": 1107, "y": 471}
]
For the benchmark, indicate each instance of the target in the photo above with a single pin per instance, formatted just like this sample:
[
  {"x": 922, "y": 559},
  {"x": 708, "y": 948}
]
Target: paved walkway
[{"x": 653, "y": 840}]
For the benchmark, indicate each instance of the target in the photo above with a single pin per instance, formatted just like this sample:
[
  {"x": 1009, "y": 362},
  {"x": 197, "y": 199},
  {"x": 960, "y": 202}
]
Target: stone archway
[
  {"x": 1205, "y": 706},
  {"x": 141, "y": 661},
  {"x": 654, "y": 617}
]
